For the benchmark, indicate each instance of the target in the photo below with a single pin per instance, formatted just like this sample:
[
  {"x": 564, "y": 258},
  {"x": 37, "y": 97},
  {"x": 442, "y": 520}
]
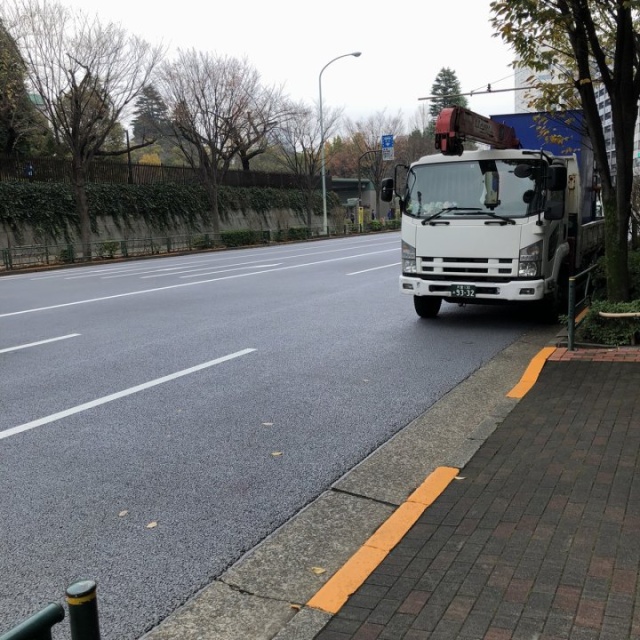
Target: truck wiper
[
  {"x": 504, "y": 219},
  {"x": 437, "y": 214}
]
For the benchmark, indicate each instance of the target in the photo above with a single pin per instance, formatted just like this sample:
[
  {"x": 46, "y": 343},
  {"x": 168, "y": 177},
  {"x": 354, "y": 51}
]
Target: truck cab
[{"x": 487, "y": 226}]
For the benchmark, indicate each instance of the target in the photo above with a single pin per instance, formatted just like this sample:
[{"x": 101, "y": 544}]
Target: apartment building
[{"x": 525, "y": 77}]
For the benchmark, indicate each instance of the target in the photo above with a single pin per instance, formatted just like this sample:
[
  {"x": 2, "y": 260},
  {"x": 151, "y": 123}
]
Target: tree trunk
[
  {"x": 82, "y": 208},
  {"x": 212, "y": 192},
  {"x": 624, "y": 117},
  {"x": 616, "y": 251},
  {"x": 309, "y": 199}
]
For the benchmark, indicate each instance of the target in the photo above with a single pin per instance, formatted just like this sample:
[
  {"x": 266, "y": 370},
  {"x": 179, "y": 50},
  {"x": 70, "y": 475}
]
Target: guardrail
[
  {"x": 15, "y": 258},
  {"x": 578, "y": 286},
  {"x": 83, "y": 616}
]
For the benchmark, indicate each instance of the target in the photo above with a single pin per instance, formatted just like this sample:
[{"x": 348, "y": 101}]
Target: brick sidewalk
[
  {"x": 540, "y": 535},
  {"x": 600, "y": 354}
]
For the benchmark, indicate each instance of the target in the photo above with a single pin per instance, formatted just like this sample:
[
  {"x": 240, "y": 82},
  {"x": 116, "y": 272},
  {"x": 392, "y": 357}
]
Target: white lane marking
[
  {"x": 116, "y": 396},
  {"x": 123, "y": 273},
  {"x": 189, "y": 284},
  {"x": 210, "y": 273},
  {"x": 35, "y": 344},
  {"x": 185, "y": 268},
  {"x": 384, "y": 266},
  {"x": 194, "y": 260}
]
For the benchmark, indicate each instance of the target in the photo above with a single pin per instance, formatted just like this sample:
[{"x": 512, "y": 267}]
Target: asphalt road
[{"x": 160, "y": 418}]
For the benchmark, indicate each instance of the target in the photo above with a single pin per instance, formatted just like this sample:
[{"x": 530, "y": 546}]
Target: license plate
[{"x": 463, "y": 291}]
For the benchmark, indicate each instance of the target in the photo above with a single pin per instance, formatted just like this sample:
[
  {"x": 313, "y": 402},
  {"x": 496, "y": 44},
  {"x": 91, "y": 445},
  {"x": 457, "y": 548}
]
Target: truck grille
[{"x": 483, "y": 268}]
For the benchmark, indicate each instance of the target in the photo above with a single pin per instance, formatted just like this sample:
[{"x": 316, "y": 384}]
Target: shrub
[
  {"x": 614, "y": 332},
  {"x": 66, "y": 255},
  {"x": 201, "y": 241},
  {"x": 240, "y": 238},
  {"x": 298, "y": 233},
  {"x": 599, "y": 277},
  {"x": 109, "y": 248}
]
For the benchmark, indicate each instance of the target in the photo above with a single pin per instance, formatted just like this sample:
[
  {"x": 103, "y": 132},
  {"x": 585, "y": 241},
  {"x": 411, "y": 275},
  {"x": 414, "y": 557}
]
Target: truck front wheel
[
  {"x": 547, "y": 310},
  {"x": 427, "y": 306}
]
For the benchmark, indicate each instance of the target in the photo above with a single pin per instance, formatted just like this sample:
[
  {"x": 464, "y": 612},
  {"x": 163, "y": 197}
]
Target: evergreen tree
[
  {"x": 152, "y": 122},
  {"x": 446, "y": 90},
  {"x": 594, "y": 45},
  {"x": 151, "y": 116},
  {"x": 22, "y": 129}
]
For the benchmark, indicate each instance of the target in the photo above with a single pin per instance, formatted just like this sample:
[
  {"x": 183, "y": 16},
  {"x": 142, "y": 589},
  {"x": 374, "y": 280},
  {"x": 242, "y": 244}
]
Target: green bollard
[
  {"x": 83, "y": 611},
  {"x": 38, "y": 626},
  {"x": 571, "y": 321}
]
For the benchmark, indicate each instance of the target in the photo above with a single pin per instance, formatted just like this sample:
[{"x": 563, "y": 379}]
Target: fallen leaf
[
  {"x": 152, "y": 525},
  {"x": 297, "y": 607},
  {"x": 318, "y": 570},
  {"x": 276, "y": 453},
  {"x": 267, "y": 424},
  {"x": 460, "y": 478},
  {"x": 123, "y": 513}
]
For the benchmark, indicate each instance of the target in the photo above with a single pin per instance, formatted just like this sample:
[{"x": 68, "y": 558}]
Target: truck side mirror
[
  {"x": 523, "y": 171},
  {"x": 386, "y": 190},
  {"x": 556, "y": 179},
  {"x": 555, "y": 211}
]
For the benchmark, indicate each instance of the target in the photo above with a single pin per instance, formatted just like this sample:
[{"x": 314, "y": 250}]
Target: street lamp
[{"x": 325, "y": 226}]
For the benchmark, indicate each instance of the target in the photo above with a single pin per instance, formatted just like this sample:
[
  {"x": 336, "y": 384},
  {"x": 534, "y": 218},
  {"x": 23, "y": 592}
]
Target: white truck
[{"x": 500, "y": 225}]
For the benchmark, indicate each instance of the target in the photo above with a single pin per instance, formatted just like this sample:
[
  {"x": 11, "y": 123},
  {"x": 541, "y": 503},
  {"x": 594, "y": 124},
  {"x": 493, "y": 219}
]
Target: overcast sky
[{"x": 403, "y": 46}]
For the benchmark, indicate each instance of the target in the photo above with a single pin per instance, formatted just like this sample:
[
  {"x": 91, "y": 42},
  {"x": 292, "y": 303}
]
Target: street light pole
[{"x": 325, "y": 225}]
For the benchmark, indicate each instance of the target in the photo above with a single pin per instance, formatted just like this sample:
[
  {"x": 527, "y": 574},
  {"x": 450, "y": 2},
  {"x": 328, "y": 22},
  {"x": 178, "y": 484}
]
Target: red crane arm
[{"x": 457, "y": 124}]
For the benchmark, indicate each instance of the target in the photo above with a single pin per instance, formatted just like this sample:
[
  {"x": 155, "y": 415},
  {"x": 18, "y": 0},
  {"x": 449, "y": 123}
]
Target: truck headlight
[
  {"x": 408, "y": 258},
  {"x": 529, "y": 260}
]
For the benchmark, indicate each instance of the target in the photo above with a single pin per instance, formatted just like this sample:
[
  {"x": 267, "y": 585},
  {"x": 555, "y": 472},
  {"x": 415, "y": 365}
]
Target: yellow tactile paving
[
  {"x": 531, "y": 374},
  {"x": 359, "y": 567}
]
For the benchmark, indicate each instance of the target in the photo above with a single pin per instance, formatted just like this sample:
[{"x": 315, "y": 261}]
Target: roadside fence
[{"x": 58, "y": 254}]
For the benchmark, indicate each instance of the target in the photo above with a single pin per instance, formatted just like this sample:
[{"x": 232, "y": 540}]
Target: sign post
[{"x": 387, "y": 147}]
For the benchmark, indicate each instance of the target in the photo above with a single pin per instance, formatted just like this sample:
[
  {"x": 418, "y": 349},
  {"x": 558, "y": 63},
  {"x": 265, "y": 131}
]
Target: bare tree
[
  {"x": 367, "y": 135},
  {"x": 220, "y": 111},
  {"x": 252, "y": 133},
  {"x": 87, "y": 73},
  {"x": 297, "y": 140}
]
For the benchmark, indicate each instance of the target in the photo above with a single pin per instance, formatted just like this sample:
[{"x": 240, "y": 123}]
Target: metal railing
[
  {"x": 38, "y": 626},
  {"x": 579, "y": 298},
  {"x": 83, "y": 616}
]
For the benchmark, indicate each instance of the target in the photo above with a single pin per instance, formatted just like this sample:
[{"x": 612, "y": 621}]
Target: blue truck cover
[{"x": 558, "y": 133}]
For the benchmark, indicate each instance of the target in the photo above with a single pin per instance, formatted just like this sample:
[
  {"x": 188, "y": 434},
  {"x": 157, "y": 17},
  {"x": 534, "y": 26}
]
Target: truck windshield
[{"x": 473, "y": 188}]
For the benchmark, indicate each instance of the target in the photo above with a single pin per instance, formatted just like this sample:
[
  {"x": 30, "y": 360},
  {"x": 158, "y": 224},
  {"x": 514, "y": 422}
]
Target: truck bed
[{"x": 590, "y": 242}]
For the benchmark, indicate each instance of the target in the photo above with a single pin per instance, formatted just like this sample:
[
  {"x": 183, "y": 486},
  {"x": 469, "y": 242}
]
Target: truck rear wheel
[{"x": 427, "y": 306}]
